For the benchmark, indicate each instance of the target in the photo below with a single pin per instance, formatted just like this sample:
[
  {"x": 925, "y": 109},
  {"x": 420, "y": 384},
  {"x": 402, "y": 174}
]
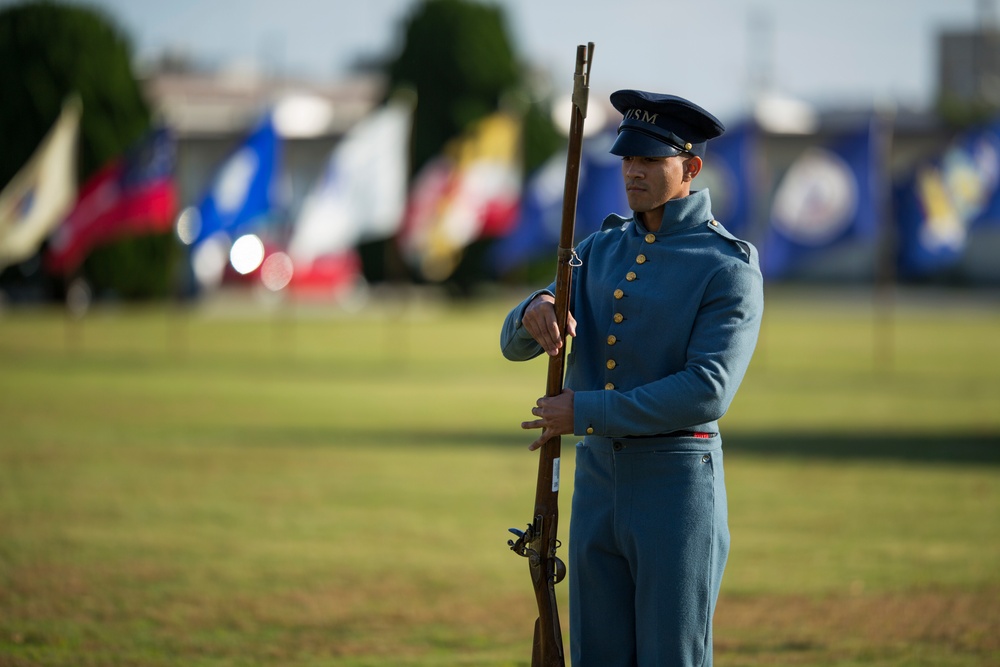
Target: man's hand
[
  {"x": 540, "y": 321},
  {"x": 555, "y": 417}
]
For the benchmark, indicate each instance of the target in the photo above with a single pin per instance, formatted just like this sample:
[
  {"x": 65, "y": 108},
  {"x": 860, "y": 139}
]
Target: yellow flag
[{"x": 470, "y": 191}]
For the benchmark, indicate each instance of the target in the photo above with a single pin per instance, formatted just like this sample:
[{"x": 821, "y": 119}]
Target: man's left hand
[{"x": 555, "y": 417}]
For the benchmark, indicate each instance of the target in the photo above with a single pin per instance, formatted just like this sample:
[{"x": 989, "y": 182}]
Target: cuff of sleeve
[
  {"x": 521, "y": 331},
  {"x": 588, "y": 413}
]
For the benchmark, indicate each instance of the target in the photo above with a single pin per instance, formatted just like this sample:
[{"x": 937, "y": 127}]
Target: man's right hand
[{"x": 540, "y": 321}]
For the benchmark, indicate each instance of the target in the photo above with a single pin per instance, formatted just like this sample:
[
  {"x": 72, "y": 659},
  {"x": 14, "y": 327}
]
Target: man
[{"x": 665, "y": 311}]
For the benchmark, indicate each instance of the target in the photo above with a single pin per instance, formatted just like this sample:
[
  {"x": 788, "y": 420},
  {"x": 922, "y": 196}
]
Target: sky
[{"x": 714, "y": 52}]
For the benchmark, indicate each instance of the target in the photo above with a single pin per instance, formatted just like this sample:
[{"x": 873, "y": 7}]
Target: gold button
[
  {"x": 650, "y": 238},
  {"x": 687, "y": 146},
  {"x": 612, "y": 339},
  {"x": 715, "y": 223},
  {"x": 609, "y": 386},
  {"x": 611, "y": 364},
  {"x": 590, "y": 430},
  {"x": 641, "y": 259},
  {"x": 630, "y": 276},
  {"x": 619, "y": 293},
  {"x": 619, "y": 318}
]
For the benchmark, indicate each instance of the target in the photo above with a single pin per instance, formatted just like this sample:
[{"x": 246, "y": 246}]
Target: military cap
[{"x": 655, "y": 125}]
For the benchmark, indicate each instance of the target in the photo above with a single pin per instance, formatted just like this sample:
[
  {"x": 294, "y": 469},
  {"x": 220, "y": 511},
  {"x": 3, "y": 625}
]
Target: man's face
[{"x": 650, "y": 182}]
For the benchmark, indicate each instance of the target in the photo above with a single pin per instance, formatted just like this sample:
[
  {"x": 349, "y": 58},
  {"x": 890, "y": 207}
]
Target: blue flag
[
  {"x": 536, "y": 231},
  {"x": 829, "y": 199},
  {"x": 602, "y": 188},
  {"x": 944, "y": 199},
  {"x": 731, "y": 177},
  {"x": 244, "y": 190}
]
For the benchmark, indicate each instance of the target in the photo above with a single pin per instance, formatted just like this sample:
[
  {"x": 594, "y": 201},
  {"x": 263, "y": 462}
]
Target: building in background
[
  {"x": 969, "y": 66},
  {"x": 211, "y": 111}
]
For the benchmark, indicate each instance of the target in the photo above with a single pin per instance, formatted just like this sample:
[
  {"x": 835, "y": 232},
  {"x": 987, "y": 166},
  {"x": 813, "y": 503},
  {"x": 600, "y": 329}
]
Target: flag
[
  {"x": 133, "y": 195},
  {"x": 471, "y": 191},
  {"x": 829, "y": 200},
  {"x": 361, "y": 194},
  {"x": 601, "y": 192},
  {"x": 943, "y": 199},
  {"x": 329, "y": 275},
  {"x": 602, "y": 189},
  {"x": 536, "y": 231},
  {"x": 39, "y": 195},
  {"x": 730, "y": 175},
  {"x": 244, "y": 190}
]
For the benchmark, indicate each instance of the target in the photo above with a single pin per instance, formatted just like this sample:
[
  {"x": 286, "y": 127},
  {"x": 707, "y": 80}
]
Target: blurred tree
[
  {"x": 458, "y": 57},
  {"x": 964, "y": 113},
  {"x": 541, "y": 138},
  {"x": 122, "y": 268},
  {"x": 49, "y": 51}
]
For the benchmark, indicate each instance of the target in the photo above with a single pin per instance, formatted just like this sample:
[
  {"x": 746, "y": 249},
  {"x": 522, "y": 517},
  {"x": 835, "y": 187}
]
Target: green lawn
[{"x": 304, "y": 486}]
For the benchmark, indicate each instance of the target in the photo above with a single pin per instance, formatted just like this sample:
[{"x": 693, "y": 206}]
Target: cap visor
[{"x": 630, "y": 143}]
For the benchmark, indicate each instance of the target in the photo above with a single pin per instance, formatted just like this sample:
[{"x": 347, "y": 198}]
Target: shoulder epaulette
[
  {"x": 719, "y": 229},
  {"x": 614, "y": 221}
]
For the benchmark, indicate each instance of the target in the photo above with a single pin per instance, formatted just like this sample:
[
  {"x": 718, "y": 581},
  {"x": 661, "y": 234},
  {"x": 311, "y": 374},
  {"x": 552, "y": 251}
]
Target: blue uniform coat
[{"x": 666, "y": 323}]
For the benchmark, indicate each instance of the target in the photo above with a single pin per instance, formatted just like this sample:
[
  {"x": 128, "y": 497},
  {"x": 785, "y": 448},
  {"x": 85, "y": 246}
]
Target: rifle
[{"x": 538, "y": 543}]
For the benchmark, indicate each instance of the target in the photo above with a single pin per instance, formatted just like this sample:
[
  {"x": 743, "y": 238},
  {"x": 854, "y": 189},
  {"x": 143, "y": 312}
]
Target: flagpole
[
  {"x": 885, "y": 256},
  {"x": 77, "y": 302},
  {"x": 761, "y": 181}
]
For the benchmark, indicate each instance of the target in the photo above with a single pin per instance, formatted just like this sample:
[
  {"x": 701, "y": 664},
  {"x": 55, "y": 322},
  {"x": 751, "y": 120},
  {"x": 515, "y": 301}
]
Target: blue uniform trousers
[{"x": 648, "y": 543}]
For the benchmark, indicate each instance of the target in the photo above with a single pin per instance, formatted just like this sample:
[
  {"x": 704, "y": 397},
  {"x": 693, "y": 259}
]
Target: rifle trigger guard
[{"x": 560, "y": 570}]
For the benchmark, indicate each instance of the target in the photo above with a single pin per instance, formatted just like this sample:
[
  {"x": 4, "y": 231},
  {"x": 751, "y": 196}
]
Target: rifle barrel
[{"x": 540, "y": 541}]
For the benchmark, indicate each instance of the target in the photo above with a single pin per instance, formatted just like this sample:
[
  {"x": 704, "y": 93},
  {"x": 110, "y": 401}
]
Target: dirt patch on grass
[
  {"x": 868, "y": 628},
  {"x": 52, "y": 615}
]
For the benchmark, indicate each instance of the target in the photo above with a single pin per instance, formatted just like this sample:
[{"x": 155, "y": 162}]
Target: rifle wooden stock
[{"x": 538, "y": 543}]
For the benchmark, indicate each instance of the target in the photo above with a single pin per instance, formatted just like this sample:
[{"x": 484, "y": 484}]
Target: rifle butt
[
  {"x": 536, "y": 646},
  {"x": 543, "y": 655}
]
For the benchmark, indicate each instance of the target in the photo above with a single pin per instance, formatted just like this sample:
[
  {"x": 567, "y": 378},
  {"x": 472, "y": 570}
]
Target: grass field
[{"x": 304, "y": 486}]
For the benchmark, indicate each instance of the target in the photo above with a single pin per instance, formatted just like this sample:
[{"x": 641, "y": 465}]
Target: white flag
[
  {"x": 361, "y": 194},
  {"x": 42, "y": 192}
]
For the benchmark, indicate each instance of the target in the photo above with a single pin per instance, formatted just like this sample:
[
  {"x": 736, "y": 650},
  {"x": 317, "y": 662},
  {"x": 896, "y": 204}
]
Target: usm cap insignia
[{"x": 657, "y": 125}]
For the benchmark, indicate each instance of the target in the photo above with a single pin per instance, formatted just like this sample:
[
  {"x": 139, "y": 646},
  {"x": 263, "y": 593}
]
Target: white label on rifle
[{"x": 555, "y": 475}]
